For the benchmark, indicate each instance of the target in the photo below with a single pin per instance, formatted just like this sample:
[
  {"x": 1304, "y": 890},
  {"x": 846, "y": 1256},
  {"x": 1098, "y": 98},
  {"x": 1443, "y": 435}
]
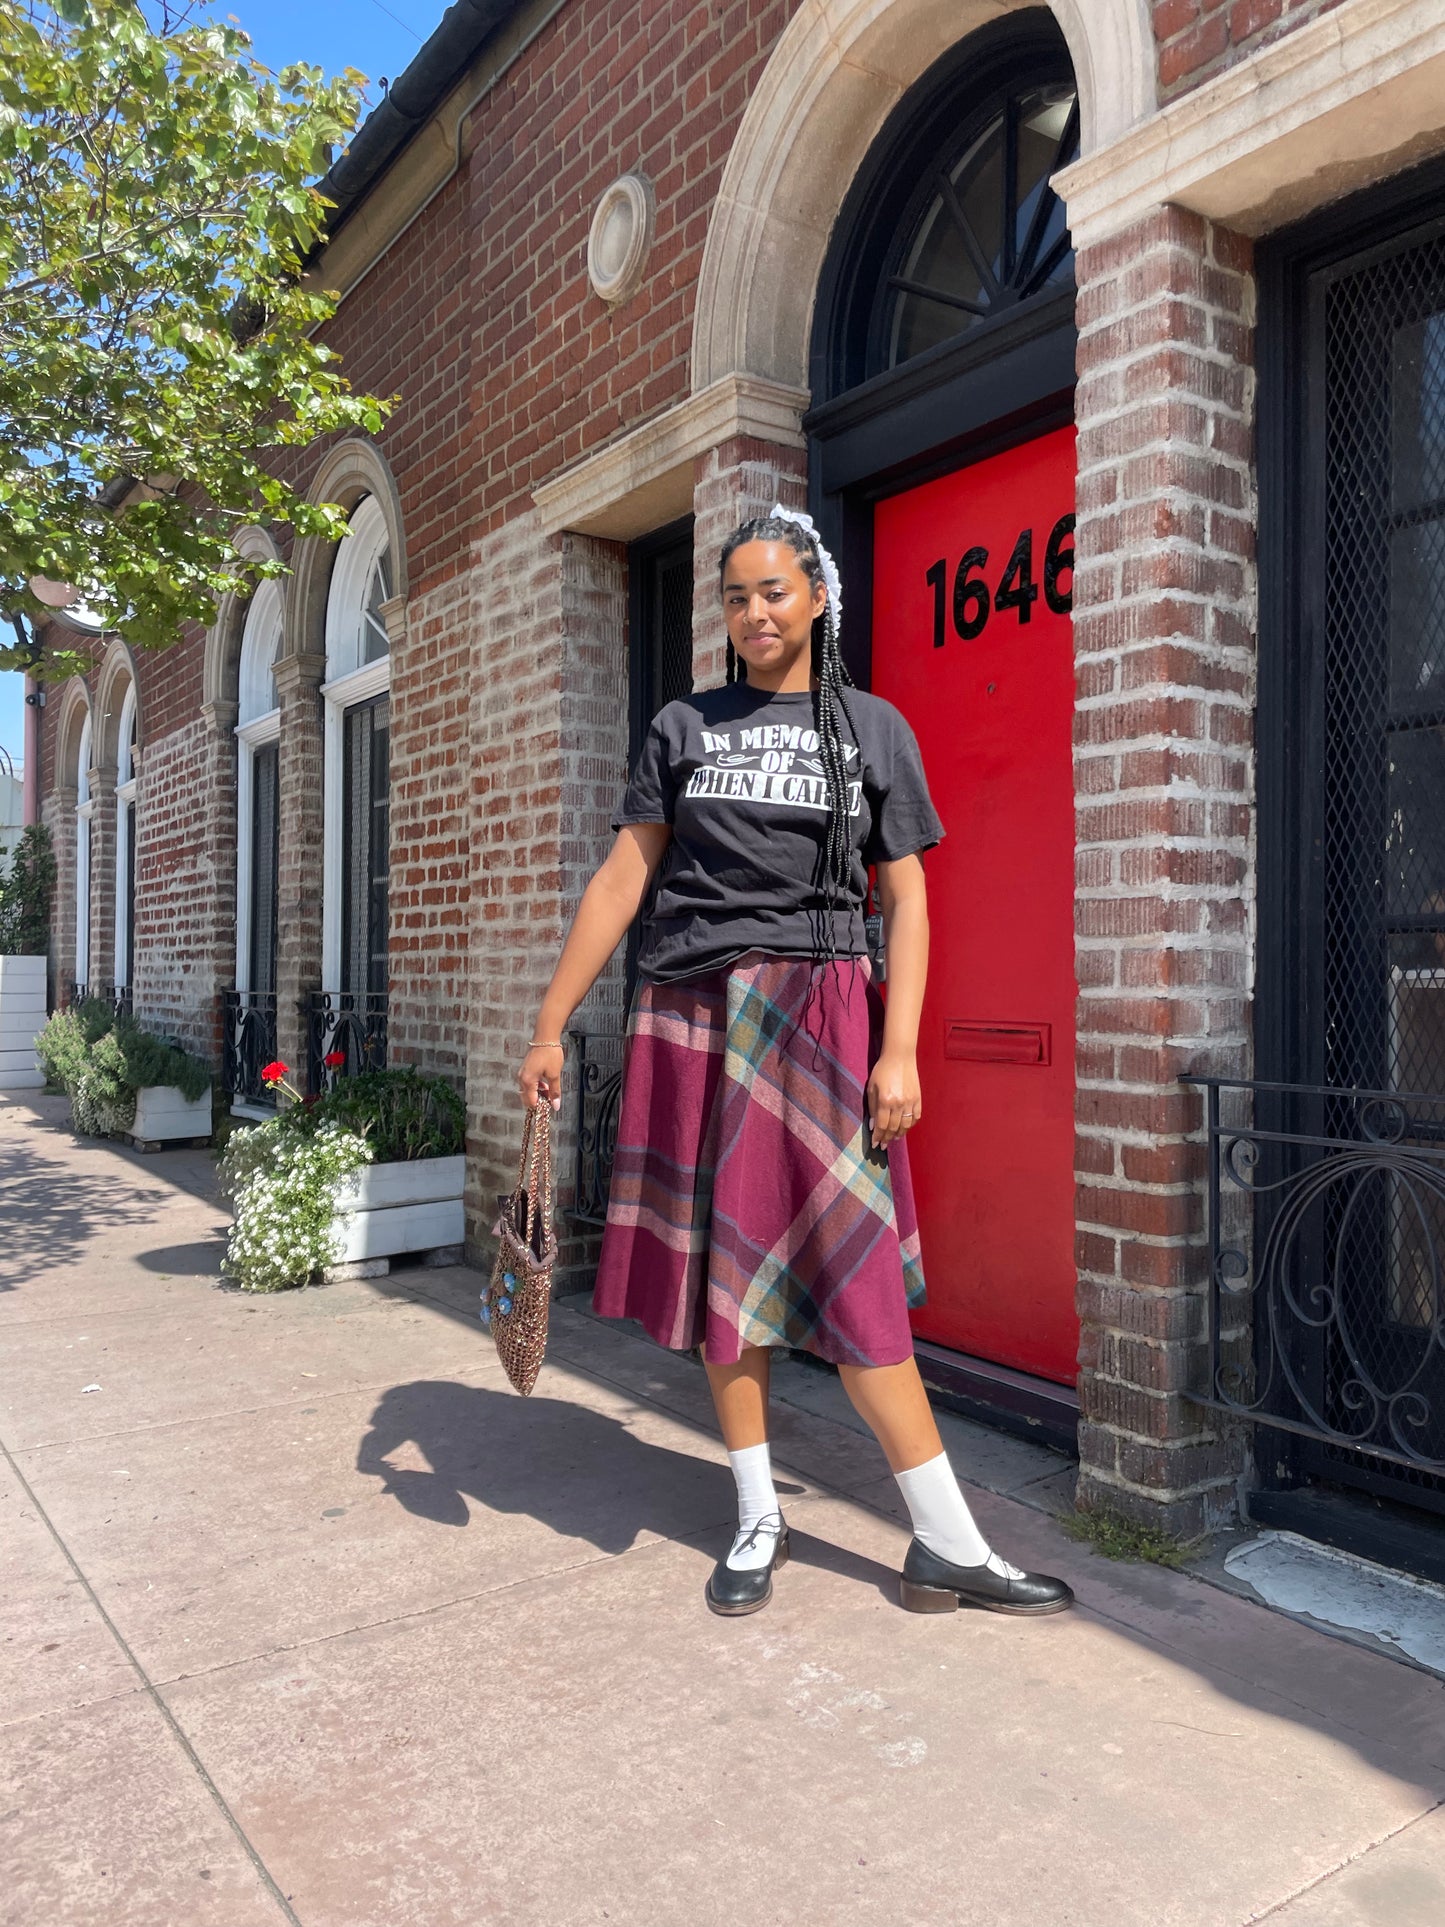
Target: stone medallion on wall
[{"x": 620, "y": 238}]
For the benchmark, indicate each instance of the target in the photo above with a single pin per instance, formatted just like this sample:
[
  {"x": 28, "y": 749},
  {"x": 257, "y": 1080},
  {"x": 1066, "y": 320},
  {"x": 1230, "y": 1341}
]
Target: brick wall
[
  {"x": 657, "y": 88},
  {"x": 515, "y": 878},
  {"x": 405, "y": 330},
  {"x": 1200, "y": 38},
  {"x": 185, "y": 933},
  {"x": 431, "y": 679},
  {"x": 1164, "y": 616}
]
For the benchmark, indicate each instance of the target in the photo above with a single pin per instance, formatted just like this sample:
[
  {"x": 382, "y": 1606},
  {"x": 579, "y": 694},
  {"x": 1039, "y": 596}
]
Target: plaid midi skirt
[{"x": 748, "y": 1203}]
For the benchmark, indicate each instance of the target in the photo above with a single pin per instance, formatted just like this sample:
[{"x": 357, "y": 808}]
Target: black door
[{"x": 1352, "y": 806}]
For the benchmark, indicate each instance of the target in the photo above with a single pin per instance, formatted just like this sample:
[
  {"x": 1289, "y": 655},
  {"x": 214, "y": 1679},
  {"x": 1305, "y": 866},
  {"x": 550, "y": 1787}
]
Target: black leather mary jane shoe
[
  {"x": 733, "y": 1593},
  {"x": 932, "y": 1585}
]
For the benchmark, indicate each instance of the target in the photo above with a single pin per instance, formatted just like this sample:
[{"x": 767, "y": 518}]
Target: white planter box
[
  {"x": 162, "y": 1115},
  {"x": 387, "y": 1209},
  {"x": 22, "y": 1018}
]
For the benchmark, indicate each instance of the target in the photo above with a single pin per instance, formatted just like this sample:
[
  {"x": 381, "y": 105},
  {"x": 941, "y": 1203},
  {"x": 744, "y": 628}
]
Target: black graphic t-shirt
[{"x": 738, "y": 774}]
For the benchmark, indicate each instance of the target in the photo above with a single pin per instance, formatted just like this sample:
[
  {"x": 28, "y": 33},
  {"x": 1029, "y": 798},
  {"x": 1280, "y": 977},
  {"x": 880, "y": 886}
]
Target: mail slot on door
[{"x": 998, "y": 1043}]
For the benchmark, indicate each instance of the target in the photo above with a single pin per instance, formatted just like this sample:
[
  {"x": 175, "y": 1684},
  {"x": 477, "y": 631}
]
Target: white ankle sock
[
  {"x": 759, "y": 1519},
  {"x": 942, "y": 1520}
]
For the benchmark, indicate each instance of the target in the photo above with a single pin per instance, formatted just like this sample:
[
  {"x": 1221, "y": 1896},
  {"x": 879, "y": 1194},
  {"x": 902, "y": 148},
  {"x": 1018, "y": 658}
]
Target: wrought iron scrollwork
[
  {"x": 345, "y": 1023},
  {"x": 1326, "y": 1295},
  {"x": 599, "y": 1091},
  {"x": 248, "y": 1044}
]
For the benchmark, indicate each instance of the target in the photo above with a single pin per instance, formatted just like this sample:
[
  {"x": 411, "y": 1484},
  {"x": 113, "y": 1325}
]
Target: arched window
[
  {"x": 989, "y": 231},
  {"x": 357, "y": 793},
  {"x": 125, "y": 842},
  {"x": 84, "y": 809},
  {"x": 361, "y": 583},
  {"x": 258, "y": 731},
  {"x": 951, "y": 231}
]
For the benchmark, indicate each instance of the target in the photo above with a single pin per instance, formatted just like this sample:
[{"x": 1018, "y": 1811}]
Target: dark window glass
[
  {"x": 264, "y": 820},
  {"x": 992, "y": 231},
  {"x": 366, "y": 851}
]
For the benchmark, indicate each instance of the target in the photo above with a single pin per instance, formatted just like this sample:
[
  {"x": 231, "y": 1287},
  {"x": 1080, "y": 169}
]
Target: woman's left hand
[{"x": 895, "y": 1099}]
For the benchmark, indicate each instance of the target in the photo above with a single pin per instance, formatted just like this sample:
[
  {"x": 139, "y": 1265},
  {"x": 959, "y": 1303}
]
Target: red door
[{"x": 971, "y": 639}]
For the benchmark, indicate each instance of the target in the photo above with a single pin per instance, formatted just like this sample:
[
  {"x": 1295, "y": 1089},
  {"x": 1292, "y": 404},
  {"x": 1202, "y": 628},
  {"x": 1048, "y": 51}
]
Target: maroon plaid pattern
[{"x": 748, "y": 1206}]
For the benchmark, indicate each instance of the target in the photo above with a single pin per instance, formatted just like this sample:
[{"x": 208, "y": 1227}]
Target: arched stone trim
[
  {"x": 839, "y": 69},
  {"x": 354, "y": 468},
  {"x": 221, "y": 664},
  {"x": 74, "y": 715},
  {"x": 117, "y": 676}
]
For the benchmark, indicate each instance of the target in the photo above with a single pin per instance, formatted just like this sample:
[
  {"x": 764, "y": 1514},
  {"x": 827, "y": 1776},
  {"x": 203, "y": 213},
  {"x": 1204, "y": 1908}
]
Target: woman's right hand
[{"x": 540, "y": 1078}]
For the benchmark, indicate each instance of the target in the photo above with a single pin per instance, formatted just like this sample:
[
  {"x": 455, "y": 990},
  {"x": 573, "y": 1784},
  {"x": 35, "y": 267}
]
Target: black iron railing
[
  {"x": 598, "y": 1082},
  {"x": 120, "y": 1001},
  {"x": 345, "y": 1024},
  {"x": 248, "y": 1044},
  {"x": 1326, "y": 1245}
]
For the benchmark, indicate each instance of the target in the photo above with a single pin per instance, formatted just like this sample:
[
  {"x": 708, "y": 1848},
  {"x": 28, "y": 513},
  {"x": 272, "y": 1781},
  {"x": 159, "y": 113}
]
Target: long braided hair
[{"x": 836, "y": 855}]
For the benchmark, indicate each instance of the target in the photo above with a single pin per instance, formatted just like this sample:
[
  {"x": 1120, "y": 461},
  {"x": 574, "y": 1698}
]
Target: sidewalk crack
[
  {"x": 263, "y": 1872},
  {"x": 1349, "y": 1860}
]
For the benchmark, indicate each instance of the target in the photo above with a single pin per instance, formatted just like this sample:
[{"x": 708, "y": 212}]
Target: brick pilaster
[
  {"x": 300, "y": 780},
  {"x": 593, "y": 724},
  {"x": 185, "y": 900},
  {"x": 427, "y": 965},
  {"x": 1164, "y": 622},
  {"x": 57, "y": 812},
  {"x": 515, "y": 807},
  {"x": 102, "y": 879}
]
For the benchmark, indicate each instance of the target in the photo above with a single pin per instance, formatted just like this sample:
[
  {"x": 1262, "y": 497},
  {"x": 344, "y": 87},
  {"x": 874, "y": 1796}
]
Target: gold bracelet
[{"x": 537, "y": 1044}]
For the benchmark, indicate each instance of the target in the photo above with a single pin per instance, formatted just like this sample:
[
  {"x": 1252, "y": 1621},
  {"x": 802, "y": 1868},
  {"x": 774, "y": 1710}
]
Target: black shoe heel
[
  {"x": 925, "y": 1599},
  {"x": 931, "y": 1585}
]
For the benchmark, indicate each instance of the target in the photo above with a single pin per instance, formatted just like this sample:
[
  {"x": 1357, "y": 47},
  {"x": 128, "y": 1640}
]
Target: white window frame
[
  {"x": 258, "y": 723},
  {"x": 125, "y": 795},
  {"x": 84, "y": 810},
  {"x": 348, "y": 681}
]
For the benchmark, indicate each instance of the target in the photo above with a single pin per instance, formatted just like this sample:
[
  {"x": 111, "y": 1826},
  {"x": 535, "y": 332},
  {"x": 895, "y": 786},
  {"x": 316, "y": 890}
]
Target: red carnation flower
[
  {"x": 334, "y": 1059},
  {"x": 273, "y": 1073}
]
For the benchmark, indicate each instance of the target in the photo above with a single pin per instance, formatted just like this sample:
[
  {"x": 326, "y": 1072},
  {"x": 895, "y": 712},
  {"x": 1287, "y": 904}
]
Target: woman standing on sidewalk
[{"x": 760, "y": 1191}]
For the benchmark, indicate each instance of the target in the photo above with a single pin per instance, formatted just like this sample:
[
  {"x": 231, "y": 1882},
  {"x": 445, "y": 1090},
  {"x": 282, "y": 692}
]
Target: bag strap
[{"x": 536, "y": 1160}]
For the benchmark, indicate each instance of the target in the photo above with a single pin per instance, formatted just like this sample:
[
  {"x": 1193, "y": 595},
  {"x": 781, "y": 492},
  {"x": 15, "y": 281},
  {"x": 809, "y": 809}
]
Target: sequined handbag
[{"x": 516, "y": 1301}]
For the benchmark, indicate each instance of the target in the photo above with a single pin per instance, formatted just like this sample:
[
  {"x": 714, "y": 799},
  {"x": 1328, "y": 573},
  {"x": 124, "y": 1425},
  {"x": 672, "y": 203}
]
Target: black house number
[{"x": 974, "y": 603}]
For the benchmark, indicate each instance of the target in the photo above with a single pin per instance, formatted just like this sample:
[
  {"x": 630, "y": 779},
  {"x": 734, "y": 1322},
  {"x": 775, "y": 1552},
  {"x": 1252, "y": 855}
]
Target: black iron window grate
[{"x": 1381, "y": 337}]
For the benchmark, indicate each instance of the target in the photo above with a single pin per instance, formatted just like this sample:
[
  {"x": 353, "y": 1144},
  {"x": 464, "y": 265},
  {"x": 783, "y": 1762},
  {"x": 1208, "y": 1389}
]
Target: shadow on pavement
[
  {"x": 583, "y": 1473},
  {"x": 51, "y": 1213}
]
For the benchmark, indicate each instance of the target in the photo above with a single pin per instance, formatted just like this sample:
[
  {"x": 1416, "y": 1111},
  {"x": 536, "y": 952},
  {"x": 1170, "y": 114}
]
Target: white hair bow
[{"x": 834, "y": 611}]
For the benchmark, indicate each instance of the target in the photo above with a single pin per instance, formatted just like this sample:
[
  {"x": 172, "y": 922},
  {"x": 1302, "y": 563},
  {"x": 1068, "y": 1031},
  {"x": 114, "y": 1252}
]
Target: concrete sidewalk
[{"x": 309, "y": 1619}]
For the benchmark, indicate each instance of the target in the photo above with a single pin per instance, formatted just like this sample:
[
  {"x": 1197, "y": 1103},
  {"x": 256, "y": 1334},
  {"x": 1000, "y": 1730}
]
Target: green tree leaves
[{"x": 156, "y": 212}]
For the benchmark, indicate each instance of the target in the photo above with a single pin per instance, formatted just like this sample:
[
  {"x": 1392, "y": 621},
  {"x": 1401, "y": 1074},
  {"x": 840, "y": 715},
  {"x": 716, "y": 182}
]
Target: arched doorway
[{"x": 942, "y": 467}]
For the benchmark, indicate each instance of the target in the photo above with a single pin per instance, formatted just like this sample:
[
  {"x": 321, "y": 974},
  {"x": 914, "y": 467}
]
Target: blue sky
[
  {"x": 377, "y": 36},
  {"x": 378, "y": 39}
]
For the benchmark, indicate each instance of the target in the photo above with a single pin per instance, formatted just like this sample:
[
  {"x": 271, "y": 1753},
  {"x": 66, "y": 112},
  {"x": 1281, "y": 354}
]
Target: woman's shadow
[{"x": 586, "y": 1475}]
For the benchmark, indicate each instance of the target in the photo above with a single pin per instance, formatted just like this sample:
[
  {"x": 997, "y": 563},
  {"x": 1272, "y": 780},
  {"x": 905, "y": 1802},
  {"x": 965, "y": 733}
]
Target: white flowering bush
[{"x": 282, "y": 1183}]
